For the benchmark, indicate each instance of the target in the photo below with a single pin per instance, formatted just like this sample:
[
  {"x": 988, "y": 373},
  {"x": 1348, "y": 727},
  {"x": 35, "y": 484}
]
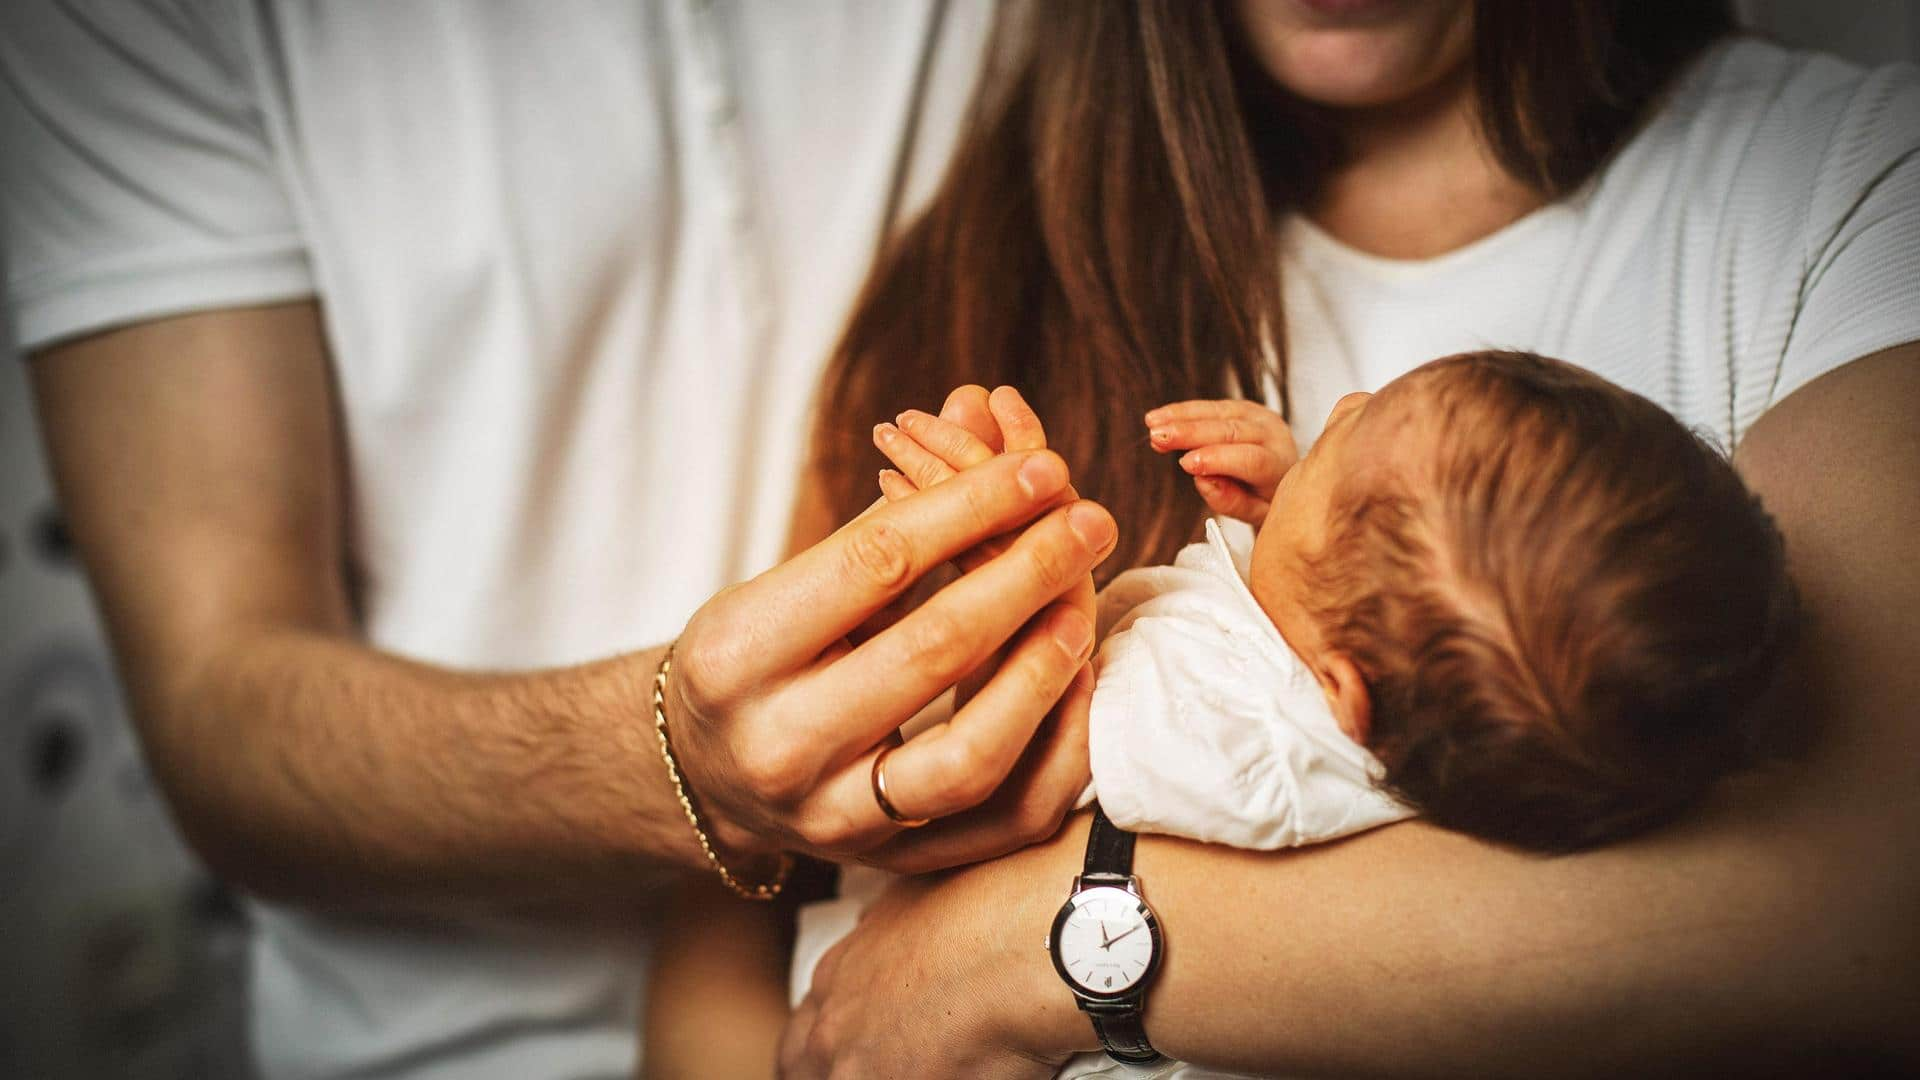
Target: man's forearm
[{"x": 310, "y": 767}]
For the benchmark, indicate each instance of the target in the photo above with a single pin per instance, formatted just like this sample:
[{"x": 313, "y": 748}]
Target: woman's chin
[
  {"x": 1350, "y": 74},
  {"x": 1355, "y": 54}
]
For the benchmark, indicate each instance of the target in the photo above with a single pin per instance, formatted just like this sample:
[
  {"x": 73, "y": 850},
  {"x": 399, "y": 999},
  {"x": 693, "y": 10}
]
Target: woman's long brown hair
[{"x": 1104, "y": 239}]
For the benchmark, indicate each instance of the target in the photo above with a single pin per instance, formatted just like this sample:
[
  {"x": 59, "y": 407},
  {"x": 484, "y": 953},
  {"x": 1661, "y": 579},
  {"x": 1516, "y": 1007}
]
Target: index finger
[{"x": 788, "y": 615}]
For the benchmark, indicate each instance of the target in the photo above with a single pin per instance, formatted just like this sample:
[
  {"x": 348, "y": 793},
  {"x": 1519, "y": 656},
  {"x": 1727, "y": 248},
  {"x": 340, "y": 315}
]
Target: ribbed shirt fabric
[{"x": 1763, "y": 229}]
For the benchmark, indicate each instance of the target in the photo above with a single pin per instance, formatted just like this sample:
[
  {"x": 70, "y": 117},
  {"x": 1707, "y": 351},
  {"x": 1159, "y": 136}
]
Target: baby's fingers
[
  {"x": 1258, "y": 467},
  {"x": 968, "y": 406},
  {"x": 1184, "y": 425},
  {"x": 1020, "y": 426},
  {"x": 954, "y": 445},
  {"x": 1230, "y": 499},
  {"x": 919, "y": 466},
  {"x": 895, "y": 486},
  {"x": 918, "y": 470}
]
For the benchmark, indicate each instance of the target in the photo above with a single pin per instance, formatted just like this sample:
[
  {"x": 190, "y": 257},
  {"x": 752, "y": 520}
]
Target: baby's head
[{"x": 1544, "y": 604}]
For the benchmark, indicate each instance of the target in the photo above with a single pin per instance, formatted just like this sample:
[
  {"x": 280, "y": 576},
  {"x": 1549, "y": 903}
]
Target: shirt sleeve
[
  {"x": 1861, "y": 292},
  {"x": 136, "y": 175}
]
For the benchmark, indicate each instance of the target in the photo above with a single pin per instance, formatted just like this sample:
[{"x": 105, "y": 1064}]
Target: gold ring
[{"x": 880, "y": 791}]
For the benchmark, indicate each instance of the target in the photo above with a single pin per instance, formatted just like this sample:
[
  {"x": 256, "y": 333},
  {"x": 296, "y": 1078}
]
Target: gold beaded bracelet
[{"x": 762, "y": 891}]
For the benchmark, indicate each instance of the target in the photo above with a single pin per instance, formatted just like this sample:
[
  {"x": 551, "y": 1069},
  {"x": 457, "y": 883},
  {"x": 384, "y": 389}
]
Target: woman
[{"x": 1728, "y": 228}]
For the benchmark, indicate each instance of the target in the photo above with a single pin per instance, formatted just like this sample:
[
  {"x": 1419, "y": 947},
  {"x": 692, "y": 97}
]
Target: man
[{"x": 399, "y": 364}]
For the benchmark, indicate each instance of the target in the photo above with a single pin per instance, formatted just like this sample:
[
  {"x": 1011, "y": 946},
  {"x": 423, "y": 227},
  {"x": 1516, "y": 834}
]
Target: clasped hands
[{"x": 786, "y": 687}]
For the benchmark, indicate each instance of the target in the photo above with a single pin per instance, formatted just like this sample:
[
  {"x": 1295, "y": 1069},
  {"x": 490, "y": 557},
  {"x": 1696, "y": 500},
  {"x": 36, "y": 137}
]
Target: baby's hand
[
  {"x": 972, "y": 427},
  {"x": 1238, "y": 451},
  {"x": 926, "y": 450}
]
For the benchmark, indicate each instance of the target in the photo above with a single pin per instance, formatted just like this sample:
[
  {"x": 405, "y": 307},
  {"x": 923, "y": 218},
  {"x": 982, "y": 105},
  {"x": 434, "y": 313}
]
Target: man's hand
[
  {"x": 1238, "y": 451},
  {"x": 785, "y": 717},
  {"x": 972, "y": 427}
]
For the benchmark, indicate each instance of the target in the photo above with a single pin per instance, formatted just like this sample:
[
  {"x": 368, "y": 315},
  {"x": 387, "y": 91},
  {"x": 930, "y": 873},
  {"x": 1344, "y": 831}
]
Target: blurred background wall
[{"x": 119, "y": 957}]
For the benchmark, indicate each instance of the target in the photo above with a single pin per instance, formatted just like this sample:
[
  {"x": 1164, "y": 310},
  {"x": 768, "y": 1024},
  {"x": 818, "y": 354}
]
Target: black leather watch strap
[
  {"x": 1117, "y": 1023},
  {"x": 1109, "y": 848},
  {"x": 1124, "y": 1037}
]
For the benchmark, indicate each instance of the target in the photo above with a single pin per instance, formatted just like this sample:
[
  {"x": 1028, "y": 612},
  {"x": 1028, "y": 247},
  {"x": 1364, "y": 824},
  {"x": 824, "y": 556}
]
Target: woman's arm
[
  {"x": 716, "y": 986},
  {"x": 1777, "y": 924}
]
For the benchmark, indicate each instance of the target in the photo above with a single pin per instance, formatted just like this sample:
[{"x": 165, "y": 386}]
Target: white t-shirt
[
  {"x": 580, "y": 266},
  {"x": 1763, "y": 229}
]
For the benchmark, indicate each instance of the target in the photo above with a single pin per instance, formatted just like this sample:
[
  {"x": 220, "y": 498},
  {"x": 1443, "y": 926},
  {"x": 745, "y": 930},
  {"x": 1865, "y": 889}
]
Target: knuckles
[
  {"x": 968, "y": 776},
  {"x": 826, "y": 833},
  {"x": 1040, "y": 818},
  {"x": 773, "y": 771},
  {"x": 1040, "y": 676},
  {"x": 1052, "y": 566},
  {"x": 703, "y": 673},
  {"x": 981, "y": 516},
  {"x": 934, "y": 640},
  {"x": 879, "y": 556}
]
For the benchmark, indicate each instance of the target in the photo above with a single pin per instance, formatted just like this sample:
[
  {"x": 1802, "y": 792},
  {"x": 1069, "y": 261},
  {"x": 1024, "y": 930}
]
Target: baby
[
  {"x": 1501, "y": 593},
  {"x": 1539, "y": 603}
]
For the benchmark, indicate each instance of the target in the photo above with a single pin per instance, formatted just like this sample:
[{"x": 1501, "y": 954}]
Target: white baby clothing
[{"x": 1204, "y": 724}]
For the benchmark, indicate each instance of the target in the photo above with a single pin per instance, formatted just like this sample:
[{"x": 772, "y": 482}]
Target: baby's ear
[{"x": 1347, "y": 695}]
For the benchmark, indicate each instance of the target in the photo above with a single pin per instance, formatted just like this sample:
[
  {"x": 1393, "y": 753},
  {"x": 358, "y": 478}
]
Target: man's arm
[
  {"x": 1777, "y": 922},
  {"x": 198, "y": 460},
  {"x": 199, "y": 463}
]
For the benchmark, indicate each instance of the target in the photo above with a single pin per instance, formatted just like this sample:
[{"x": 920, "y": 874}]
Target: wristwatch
[{"x": 1106, "y": 943}]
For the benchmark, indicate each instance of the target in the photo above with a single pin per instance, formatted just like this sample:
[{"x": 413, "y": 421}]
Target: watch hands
[
  {"x": 1104, "y": 942},
  {"x": 1108, "y": 944}
]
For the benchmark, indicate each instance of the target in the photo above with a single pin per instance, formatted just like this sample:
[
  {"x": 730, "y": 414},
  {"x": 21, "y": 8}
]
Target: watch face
[{"x": 1105, "y": 941}]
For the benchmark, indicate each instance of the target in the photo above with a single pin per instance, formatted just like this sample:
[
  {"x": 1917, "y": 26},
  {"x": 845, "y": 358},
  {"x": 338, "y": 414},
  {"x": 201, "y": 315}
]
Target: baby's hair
[{"x": 1565, "y": 612}]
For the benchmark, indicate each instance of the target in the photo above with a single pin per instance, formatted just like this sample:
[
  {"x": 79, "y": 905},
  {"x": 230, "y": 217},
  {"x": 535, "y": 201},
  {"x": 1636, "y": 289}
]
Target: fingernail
[
  {"x": 908, "y": 417},
  {"x": 1092, "y": 525},
  {"x": 1073, "y": 633},
  {"x": 1153, "y": 417},
  {"x": 1084, "y": 677},
  {"x": 1160, "y": 435},
  {"x": 1190, "y": 462},
  {"x": 883, "y": 432},
  {"x": 1041, "y": 475}
]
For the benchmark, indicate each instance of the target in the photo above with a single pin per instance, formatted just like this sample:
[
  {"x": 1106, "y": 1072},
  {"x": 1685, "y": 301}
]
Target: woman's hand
[
  {"x": 1238, "y": 451},
  {"x": 945, "y": 979},
  {"x": 777, "y": 717}
]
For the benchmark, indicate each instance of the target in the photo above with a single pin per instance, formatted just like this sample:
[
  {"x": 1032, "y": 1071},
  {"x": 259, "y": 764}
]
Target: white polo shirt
[{"x": 580, "y": 265}]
